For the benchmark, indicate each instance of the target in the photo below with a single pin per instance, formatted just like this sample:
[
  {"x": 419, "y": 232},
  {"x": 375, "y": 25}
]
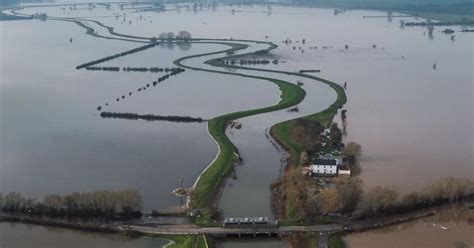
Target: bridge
[{"x": 236, "y": 231}]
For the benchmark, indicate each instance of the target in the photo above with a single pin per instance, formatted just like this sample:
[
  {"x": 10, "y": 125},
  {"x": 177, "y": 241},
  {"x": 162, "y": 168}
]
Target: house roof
[{"x": 320, "y": 161}]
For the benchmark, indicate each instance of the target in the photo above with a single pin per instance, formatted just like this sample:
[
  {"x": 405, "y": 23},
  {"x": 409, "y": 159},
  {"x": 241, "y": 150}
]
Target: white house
[{"x": 325, "y": 167}]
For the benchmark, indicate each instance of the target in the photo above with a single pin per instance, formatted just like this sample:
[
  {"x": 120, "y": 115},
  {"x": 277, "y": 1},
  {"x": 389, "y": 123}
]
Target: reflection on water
[
  {"x": 451, "y": 227},
  {"x": 13, "y": 235}
]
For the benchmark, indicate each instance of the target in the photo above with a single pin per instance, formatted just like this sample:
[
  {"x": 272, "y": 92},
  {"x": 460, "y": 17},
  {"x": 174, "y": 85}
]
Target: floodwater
[
  {"x": 53, "y": 140},
  {"x": 451, "y": 227},
  {"x": 248, "y": 243},
  {"x": 413, "y": 121},
  {"x": 13, "y": 235}
]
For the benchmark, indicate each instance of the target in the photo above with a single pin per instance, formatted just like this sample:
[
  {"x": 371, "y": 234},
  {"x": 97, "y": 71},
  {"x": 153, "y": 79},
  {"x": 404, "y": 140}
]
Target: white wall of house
[{"x": 324, "y": 169}]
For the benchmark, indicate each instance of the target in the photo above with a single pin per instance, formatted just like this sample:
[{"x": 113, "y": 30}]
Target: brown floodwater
[
  {"x": 451, "y": 227},
  {"x": 13, "y": 235}
]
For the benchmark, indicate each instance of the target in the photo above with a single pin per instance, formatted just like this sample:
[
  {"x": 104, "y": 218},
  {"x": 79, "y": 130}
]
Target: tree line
[
  {"x": 150, "y": 117},
  {"x": 134, "y": 69},
  {"x": 152, "y": 69},
  {"x": 251, "y": 62},
  {"x": 174, "y": 71},
  {"x": 98, "y": 61},
  {"x": 309, "y": 203},
  {"x": 125, "y": 204}
]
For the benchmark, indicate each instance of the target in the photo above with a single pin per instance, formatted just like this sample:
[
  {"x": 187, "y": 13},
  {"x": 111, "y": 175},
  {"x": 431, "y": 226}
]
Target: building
[
  {"x": 324, "y": 167},
  {"x": 344, "y": 170}
]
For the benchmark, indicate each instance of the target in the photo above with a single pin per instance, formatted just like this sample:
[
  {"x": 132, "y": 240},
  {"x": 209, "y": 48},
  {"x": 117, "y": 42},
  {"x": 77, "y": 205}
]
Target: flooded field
[
  {"x": 451, "y": 227},
  {"x": 52, "y": 133},
  {"x": 14, "y": 235},
  {"x": 410, "y": 106}
]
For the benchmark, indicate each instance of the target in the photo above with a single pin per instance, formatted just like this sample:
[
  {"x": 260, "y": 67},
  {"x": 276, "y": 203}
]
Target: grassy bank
[
  {"x": 211, "y": 178},
  {"x": 184, "y": 241},
  {"x": 208, "y": 183},
  {"x": 282, "y": 131}
]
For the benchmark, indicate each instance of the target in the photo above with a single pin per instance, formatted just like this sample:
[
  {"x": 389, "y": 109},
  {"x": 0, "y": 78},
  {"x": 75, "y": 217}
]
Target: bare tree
[
  {"x": 170, "y": 36},
  {"x": 184, "y": 36},
  {"x": 349, "y": 190},
  {"x": 351, "y": 151},
  {"x": 378, "y": 199},
  {"x": 329, "y": 200}
]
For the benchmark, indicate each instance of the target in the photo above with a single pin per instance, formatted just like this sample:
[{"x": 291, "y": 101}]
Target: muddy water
[
  {"x": 53, "y": 140},
  {"x": 452, "y": 227},
  {"x": 399, "y": 107},
  {"x": 14, "y": 235}
]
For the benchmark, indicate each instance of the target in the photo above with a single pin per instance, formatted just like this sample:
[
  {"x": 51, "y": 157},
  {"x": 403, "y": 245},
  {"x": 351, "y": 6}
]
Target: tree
[
  {"x": 349, "y": 190},
  {"x": 312, "y": 210},
  {"x": 451, "y": 189},
  {"x": 170, "y": 36},
  {"x": 129, "y": 200},
  {"x": 307, "y": 134},
  {"x": 162, "y": 36},
  {"x": 378, "y": 199},
  {"x": 12, "y": 202},
  {"x": 329, "y": 200},
  {"x": 184, "y": 36},
  {"x": 410, "y": 200},
  {"x": 335, "y": 136},
  {"x": 304, "y": 158},
  {"x": 53, "y": 203},
  {"x": 351, "y": 151}
]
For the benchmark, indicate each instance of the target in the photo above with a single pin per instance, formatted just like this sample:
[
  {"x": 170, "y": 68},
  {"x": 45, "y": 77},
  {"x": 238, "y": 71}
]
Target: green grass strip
[{"x": 210, "y": 179}]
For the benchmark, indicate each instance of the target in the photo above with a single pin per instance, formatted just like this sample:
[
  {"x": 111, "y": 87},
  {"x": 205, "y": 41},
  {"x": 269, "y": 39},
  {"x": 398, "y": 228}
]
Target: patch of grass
[
  {"x": 184, "y": 241},
  {"x": 336, "y": 242},
  {"x": 313, "y": 242},
  {"x": 210, "y": 180},
  {"x": 212, "y": 177}
]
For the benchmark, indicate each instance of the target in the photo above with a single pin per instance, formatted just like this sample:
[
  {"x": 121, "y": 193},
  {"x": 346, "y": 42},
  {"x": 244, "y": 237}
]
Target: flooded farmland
[
  {"x": 413, "y": 119},
  {"x": 451, "y": 227}
]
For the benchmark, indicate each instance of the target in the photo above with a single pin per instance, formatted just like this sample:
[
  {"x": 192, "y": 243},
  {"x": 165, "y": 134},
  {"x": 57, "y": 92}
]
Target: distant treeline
[
  {"x": 251, "y": 62},
  {"x": 134, "y": 69},
  {"x": 138, "y": 49},
  {"x": 149, "y": 117},
  {"x": 104, "y": 68},
  {"x": 152, "y": 69},
  {"x": 423, "y": 24},
  {"x": 457, "y": 7},
  {"x": 309, "y": 71},
  {"x": 126, "y": 204}
]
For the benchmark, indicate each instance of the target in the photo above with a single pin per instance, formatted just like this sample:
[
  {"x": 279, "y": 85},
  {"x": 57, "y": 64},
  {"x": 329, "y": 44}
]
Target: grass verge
[
  {"x": 184, "y": 241},
  {"x": 208, "y": 184}
]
